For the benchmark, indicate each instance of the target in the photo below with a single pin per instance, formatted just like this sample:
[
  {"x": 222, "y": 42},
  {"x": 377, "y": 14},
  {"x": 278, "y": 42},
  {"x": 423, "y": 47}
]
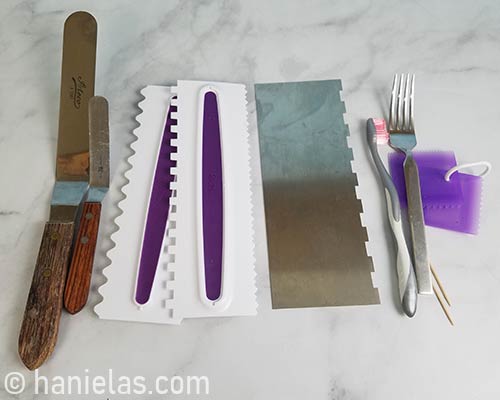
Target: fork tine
[
  {"x": 392, "y": 108},
  {"x": 399, "y": 119},
  {"x": 406, "y": 105},
  {"x": 412, "y": 107}
]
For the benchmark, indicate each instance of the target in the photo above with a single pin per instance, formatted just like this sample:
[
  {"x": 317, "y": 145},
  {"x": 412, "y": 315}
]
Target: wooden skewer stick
[
  {"x": 441, "y": 287},
  {"x": 441, "y": 303}
]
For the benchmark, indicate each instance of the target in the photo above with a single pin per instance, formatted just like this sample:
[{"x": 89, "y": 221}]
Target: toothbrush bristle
[{"x": 381, "y": 131}]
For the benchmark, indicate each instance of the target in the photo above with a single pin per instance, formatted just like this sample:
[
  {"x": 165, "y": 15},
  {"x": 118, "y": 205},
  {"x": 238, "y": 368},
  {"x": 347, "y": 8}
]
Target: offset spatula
[
  {"x": 40, "y": 325},
  {"x": 80, "y": 270}
]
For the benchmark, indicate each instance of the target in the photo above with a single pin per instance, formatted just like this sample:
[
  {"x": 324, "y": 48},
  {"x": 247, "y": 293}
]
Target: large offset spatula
[{"x": 40, "y": 325}]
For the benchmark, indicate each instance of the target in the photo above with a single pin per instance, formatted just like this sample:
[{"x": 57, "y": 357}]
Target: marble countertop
[{"x": 350, "y": 353}]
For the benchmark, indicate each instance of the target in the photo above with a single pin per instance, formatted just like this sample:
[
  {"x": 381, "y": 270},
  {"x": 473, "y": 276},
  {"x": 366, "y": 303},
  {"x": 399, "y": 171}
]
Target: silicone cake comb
[{"x": 452, "y": 204}]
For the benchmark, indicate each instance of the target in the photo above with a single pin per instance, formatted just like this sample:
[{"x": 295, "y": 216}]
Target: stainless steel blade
[
  {"x": 99, "y": 148},
  {"x": 417, "y": 226},
  {"x": 316, "y": 244},
  {"x": 77, "y": 87}
]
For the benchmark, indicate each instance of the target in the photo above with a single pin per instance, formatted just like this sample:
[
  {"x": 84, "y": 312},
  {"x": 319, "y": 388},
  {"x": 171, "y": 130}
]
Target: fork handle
[{"x": 417, "y": 227}]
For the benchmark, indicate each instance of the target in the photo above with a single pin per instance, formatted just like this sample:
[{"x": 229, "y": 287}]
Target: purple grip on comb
[
  {"x": 156, "y": 221},
  {"x": 212, "y": 197},
  {"x": 453, "y": 205}
]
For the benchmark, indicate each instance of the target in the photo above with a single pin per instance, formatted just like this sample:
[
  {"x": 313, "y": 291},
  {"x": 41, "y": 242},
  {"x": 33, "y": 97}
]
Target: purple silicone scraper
[
  {"x": 453, "y": 205},
  {"x": 156, "y": 221},
  {"x": 212, "y": 198}
]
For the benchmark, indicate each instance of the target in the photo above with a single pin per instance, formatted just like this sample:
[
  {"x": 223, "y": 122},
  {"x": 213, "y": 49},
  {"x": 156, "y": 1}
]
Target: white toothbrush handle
[{"x": 406, "y": 275}]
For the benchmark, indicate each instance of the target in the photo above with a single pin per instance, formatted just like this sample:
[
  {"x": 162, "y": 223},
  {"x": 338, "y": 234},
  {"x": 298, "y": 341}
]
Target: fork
[{"x": 402, "y": 137}]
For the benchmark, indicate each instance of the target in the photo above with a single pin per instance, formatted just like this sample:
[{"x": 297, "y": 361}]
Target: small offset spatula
[{"x": 80, "y": 270}]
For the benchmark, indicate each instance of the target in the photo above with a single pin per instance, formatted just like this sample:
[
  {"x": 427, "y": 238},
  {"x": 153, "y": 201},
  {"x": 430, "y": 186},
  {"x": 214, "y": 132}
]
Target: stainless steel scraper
[{"x": 316, "y": 244}]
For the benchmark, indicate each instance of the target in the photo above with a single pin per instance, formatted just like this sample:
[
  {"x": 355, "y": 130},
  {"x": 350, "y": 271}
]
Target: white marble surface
[{"x": 336, "y": 353}]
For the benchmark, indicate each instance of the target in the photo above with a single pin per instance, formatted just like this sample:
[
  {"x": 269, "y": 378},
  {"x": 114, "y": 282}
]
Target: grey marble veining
[{"x": 335, "y": 353}]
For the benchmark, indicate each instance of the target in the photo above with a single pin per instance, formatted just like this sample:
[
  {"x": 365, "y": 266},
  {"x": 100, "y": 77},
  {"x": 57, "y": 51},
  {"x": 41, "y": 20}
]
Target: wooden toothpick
[
  {"x": 441, "y": 302},
  {"x": 438, "y": 281}
]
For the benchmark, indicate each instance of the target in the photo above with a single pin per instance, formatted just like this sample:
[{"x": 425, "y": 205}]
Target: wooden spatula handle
[
  {"x": 80, "y": 270},
  {"x": 40, "y": 325}
]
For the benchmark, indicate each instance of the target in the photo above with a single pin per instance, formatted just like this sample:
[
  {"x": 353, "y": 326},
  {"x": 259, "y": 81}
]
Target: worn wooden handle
[
  {"x": 38, "y": 335},
  {"x": 80, "y": 270}
]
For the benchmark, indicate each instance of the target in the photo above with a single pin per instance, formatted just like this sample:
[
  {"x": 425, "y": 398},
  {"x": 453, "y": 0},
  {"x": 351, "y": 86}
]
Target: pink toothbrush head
[{"x": 382, "y": 135}]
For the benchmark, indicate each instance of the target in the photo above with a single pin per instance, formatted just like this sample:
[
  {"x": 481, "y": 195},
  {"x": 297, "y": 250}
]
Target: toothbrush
[{"x": 376, "y": 133}]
